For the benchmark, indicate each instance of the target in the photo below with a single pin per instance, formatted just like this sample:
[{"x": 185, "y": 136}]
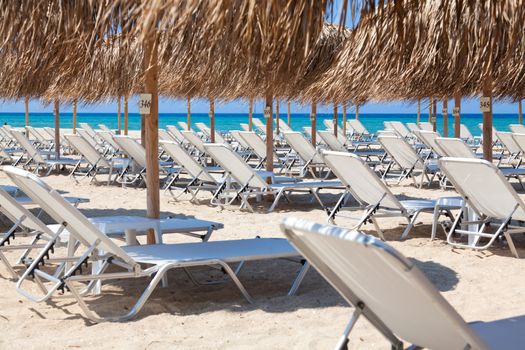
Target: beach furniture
[
  {"x": 329, "y": 124},
  {"x": 465, "y": 134},
  {"x": 259, "y": 125},
  {"x": 245, "y": 126},
  {"x": 331, "y": 141},
  {"x": 399, "y": 128},
  {"x": 135, "y": 261},
  {"x": 258, "y": 147},
  {"x": 357, "y": 129},
  {"x": 510, "y": 145},
  {"x": 283, "y": 127},
  {"x": 92, "y": 141},
  {"x": 428, "y": 138},
  {"x": 236, "y": 135},
  {"x": 488, "y": 193},
  {"x": 426, "y": 126},
  {"x": 374, "y": 197},
  {"x": 517, "y": 128},
  {"x": 196, "y": 144},
  {"x": 413, "y": 127},
  {"x": 103, "y": 127},
  {"x": 41, "y": 160},
  {"x": 42, "y": 140},
  {"x": 175, "y": 133},
  {"x": 382, "y": 285},
  {"x": 166, "y": 136},
  {"x": 308, "y": 132},
  {"x": 206, "y": 131},
  {"x": 95, "y": 161},
  {"x": 136, "y": 170},
  {"x": 251, "y": 183},
  {"x": 111, "y": 148},
  {"x": 88, "y": 129},
  {"x": 409, "y": 162},
  {"x": 183, "y": 126},
  {"x": 306, "y": 153}
]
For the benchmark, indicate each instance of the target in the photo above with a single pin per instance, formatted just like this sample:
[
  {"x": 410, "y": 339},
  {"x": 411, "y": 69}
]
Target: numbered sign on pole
[
  {"x": 455, "y": 111},
  {"x": 484, "y": 104},
  {"x": 445, "y": 111},
  {"x": 145, "y": 103},
  {"x": 268, "y": 112}
]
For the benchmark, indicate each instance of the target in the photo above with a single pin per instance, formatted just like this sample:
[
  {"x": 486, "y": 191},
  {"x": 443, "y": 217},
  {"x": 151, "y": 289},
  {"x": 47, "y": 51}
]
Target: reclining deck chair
[
  {"x": 517, "y": 128},
  {"x": 375, "y": 198},
  {"x": 183, "y": 126},
  {"x": 136, "y": 261},
  {"x": 207, "y": 132},
  {"x": 260, "y": 126},
  {"x": 250, "y": 183},
  {"x": 488, "y": 193},
  {"x": 426, "y": 126},
  {"x": 175, "y": 133},
  {"x": 329, "y": 124},
  {"x": 515, "y": 151},
  {"x": 399, "y": 128},
  {"x": 258, "y": 147},
  {"x": 357, "y": 130},
  {"x": 393, "y": 294},
  {"x": 311, "y": 161},
  {"x": 196, "y": 144}
]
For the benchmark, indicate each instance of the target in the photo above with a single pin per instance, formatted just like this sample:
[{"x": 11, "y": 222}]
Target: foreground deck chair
[
  {"x": 311, "y": 160},
  {"x": 136, "y": 261},
  {"x": 407, "y": 159},
  {"x": 250, "y": 183},
  {"x": 393, "y": 294},
  {"x": 39, "y": 159},
  {"x": 487, "y": 192},
  {"x": 374, "y": 197}
]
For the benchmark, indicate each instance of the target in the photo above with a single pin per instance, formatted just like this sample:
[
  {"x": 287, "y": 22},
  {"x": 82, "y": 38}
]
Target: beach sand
[{"x": 480, "y": 285}]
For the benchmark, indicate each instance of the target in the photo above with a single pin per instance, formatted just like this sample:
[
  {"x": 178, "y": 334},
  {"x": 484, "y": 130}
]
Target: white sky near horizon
[{"x": 241, "y": 106}]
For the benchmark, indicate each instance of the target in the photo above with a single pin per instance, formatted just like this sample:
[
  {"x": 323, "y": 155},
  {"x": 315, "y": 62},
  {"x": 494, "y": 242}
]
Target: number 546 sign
[
  {"x": 484, "y": 104},
  {"x": 145, "y": 103}
]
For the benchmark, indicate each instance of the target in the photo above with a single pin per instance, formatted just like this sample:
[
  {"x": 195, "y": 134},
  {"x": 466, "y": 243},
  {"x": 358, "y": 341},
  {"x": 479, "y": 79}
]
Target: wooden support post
[
  {"x": 434, "y": 114},
  {"x": 344, "y": 119},
  {"x": 445, "y": 117},
  {"x": 150, "y": 66},
  {"x": 212, "y": 119},
  {"x": 487, "y": 120},
  {"x": 56, "y": 113},
  {"x": 418, "y": 120},
  {"x": 520, "y": 112},
  {"x": 126, "y": 115},
  {"x": 75, "y": 116},
  {"x": 457, "y": 115},
  {"x": 27, "y": 111},
  {"x": 250, "y": 114},
  {"x": 313, "y": 120},
  {"x": 335, "y": 119},
  {"x": 430, "y": 110},
  {"x": 356, "y": 110},
  {"x": 268, "y": 115},
  {"x": 288, "y": 113},
  {"x": 277, "y": 116},
  {"x": 188, "y": 115},
  {"x": 119, "y": 123}
]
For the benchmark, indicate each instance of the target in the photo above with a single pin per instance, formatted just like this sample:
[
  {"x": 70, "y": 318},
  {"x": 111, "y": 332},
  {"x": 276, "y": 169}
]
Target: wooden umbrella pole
[
  {"x": 126, "y": 115},
  {"x": 188, "y": 115},
  {"x": 277, "y": 116},
  {"x": 418, "y": 111},
  {"x": 212, "y": 119},
  {"x": 457, "y": 115},
  {"x": 268, "y": 114},
  {"x": 335, "y": 119},
  {"x": 250, "y": 114},
  {"x": 344, "y": 119},
  {"x": 520, "y": 112},
  {"x": 487, "y": 119},
  {"x": 430, "y": 110},
  {"x": 434, "y": 114},
  {"x": 288, "y": 113},
  {"x": 313, "y": 120},
  {"x": 445, "y": 117},
  {"x": 56, "y": 113},
  {"x": 119, "y": 130},
  {"x": 75, "y": 116},
  {"x": 27, "y": 110},
  {"x": 150, "y": 66},
  {"x": 356, "y": 110}
]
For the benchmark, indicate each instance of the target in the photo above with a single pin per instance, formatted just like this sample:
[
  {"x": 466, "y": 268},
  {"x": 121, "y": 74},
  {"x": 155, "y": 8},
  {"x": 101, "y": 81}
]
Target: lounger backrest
[
  {"x": 517, "y": 128},
  {"x": 236, "y": 134},
  {"x": 308, "y": 132},
  {"x": 429, "y": 139},
  {"x": 24, "y": 142},
  {"x": 484, "y": 187},
  {"x": 194, "y": 140},
  {"x": 426, "y": 126},
  {"x": 508, "y": 141},
  {"x": 413, "y": 127},
  {"x": 204, "y": 128},
  {"x": 63, "y": 212},
  {"x": 356, "y": 127},
  {"x": 400, "y": 128},
  {"x": 87, "y": 151},
  {"x": 43, "y": 134},
  {"x": 283, "y": 126},
  {"x": 364, "y": 184},
  {"x": 332, "y": 141},
  {"x": 107, "y": 137},
  {"x": 183, "y": 125},
  {"x": 88, "y": 129},
  {"x": 104, "y": 128},
  {"x": 455, "y": 148},
  {"x": 87, "y": 137},
  {"x": 255, "y": 143},
  {"x": 329, "y": 124},
  {"x": 259, "y": 125},
  {"x": 369, "y": 272},
  {"x": 520, "y": 141},
  {"x": 464, "y": 132},
  {"x": 50, "y": 132},
  {"x": 175, "y": 133},
  {"x": 132, "y": 148},
  {"x": 35, "y": 134},
  {"x": 245, "y": 127},
  {"x": 14, "y": 211},
  {"x": 164, "y": 135},
  {"x": 232, "y": 163},
  {"x": 302, "y": 147},
  {"x": 182, "y": 158},
  {"x": 402, "y": 153}
]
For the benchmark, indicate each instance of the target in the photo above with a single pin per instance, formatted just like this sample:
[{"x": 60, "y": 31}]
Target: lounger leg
[
  {"x": 342, "y": 344},
  {"x": 411, "y": 222},
  {"x": 511, "y": 244},
  {"x": 299, "y": 279},
  {"x": 276, "y": 200}
]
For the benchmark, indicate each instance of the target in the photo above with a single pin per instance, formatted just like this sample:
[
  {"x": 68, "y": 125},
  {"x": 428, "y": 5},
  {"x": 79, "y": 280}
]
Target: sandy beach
[{"x": 480, "y": 285}]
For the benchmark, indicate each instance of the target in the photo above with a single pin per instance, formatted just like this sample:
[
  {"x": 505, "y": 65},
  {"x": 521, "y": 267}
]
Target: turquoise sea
[{"x": 225, "y": 122}]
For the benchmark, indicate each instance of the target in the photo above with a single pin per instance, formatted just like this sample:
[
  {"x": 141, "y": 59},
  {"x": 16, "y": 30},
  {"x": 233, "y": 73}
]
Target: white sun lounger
[
  {"x": 331, "y": 141},
  {"x": 393, "y": 294},
  {"x": 517, "y": 128},
  {"x": 259, "y": 125},
  {"x": 103, "y": 127},
  {"x": 413, "y": 127},
  {"x": 207, "y": 132},
  {"x": 245, "y": 126},
  {"x": 465, "y": 134},
  {"x": 374, "y": 196},
  {"x": 183, "y": 126},
  {"x": 510, "y": 144},
  {"x": 487, "y": 192},
  {"x": 357, "y": 129},
  {"x": 194, "y": 140},
  {"x": 258, "y": 147},
  {"x": 283, "y": 127},
  {"x": 309, "y": 156},
  {"x": 399, "y": 128},
  {"x": 428, "y": 138},
  {"x": 426, "y": 126},
  {"x": 251, "y": 183},
  {"x": 136, "y": 261},
  {"x": 87, "y": 136},
  {"x": 177, "y": 135},
  {"x": 329, "y": 124}
]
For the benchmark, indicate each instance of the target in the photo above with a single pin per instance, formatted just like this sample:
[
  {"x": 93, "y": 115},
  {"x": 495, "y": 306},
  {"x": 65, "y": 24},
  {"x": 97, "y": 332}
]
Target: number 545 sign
[
  {"x": 145, "y": 103},
  {"x": 484, "y": 104}
]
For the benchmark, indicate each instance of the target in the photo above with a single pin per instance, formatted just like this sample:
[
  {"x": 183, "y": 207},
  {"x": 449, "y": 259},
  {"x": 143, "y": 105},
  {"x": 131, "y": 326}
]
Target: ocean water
[{"x": 225, "y": 122}]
